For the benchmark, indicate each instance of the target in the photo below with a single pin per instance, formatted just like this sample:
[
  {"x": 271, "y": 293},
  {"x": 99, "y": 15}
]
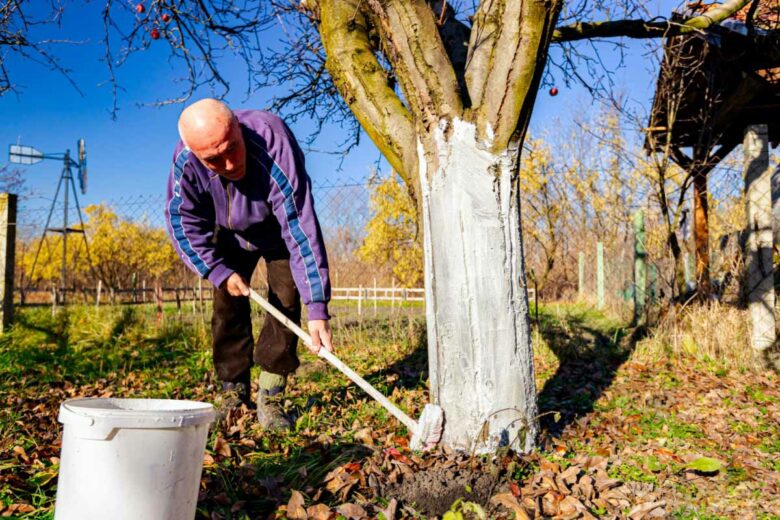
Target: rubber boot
[{"x": 270, "y": 413}]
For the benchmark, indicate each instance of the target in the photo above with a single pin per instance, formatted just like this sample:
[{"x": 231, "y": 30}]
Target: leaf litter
[{"x": 651, "y": 440}]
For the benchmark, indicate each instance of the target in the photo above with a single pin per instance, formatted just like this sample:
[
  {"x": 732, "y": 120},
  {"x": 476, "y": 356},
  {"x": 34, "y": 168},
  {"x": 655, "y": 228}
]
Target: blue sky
[{"x": 130, "y": 156}]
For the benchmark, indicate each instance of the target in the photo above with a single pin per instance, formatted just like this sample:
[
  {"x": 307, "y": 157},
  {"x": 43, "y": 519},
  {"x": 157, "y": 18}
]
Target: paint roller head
[{"x": 429, "y": 428}]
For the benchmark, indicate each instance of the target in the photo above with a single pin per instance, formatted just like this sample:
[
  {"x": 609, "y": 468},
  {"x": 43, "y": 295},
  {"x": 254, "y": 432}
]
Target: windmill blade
[
  {"x": 21, "y": 154},
  {"x": 83, "y": 166}
]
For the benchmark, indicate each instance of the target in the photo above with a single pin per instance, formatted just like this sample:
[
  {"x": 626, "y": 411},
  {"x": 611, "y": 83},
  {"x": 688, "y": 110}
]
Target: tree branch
[
  {"x": 644, "y": 28},
  {"x": 508, "y": 50},
  {"x": 362, "y": 82},
  {"x": 411, "y": 41}
]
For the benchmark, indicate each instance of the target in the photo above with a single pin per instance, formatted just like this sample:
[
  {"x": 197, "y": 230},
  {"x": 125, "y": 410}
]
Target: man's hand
[
  {"x": 237, "y": 286},
  {"x": 319, "y": 330}
]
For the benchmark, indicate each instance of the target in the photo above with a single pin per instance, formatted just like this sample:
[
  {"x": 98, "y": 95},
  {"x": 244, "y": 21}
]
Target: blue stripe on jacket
[
  {"x": 175, "y": 216},
  {"x": 291, "y": 213}
]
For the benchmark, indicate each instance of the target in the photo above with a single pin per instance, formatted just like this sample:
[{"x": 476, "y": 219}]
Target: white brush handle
[{"x": 410, "y": 424}]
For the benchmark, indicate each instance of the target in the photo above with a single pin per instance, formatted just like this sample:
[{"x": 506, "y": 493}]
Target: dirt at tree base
[{"x": 434, "y": 490}]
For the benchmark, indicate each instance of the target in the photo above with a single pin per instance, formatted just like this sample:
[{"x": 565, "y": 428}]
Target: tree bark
[
  {"x": 701, "y": 232},
  {"x": 479, "y": 347},
  {"x": 644, "y": 28},
  {"x": 760, "y": 272}
]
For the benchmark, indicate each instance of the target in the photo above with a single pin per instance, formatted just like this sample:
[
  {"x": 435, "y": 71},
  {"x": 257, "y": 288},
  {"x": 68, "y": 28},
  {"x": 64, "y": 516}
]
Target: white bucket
[{"x": 131, "y": 459}]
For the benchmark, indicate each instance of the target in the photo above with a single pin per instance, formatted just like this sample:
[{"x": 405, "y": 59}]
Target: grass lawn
[{"x": 621, "y": 435}]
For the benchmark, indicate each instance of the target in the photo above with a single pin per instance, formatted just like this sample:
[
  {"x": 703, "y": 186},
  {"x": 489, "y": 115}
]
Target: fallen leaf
[
  {"x": 390, "y": 510},
  {"x": 352, "y": 511},
  {"x": 365, "y": 436},
  {"x": 222, "y": 447},
  {"x": 705, "y": 465},
  {"x": 638, "y": 512},
  {"x": 319, "y": 512},
  {"x": 509, "y": 501},
  {"x": 295, "y": 509},
  {"x": 19, "y": 451}
]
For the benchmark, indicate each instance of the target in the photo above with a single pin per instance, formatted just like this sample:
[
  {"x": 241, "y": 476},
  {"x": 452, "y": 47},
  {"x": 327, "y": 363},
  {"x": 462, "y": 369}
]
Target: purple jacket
[{"x": 270, "y": 206}]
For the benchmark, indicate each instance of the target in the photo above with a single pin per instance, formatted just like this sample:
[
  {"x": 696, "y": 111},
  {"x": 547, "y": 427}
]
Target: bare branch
[{"x": 644, "y": 28}]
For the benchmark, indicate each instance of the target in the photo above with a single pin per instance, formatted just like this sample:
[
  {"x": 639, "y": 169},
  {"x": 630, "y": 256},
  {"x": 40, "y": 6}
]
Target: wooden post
[
  {"x": 97, "y": 293},
  {"x": 392, "y": 298},
  {"x": 640, "y": 267},
  {"x": 581, "y": 276},
  {"x": 112, "y": 296},
  {"x": 143, "y": 290},
  {"x": 760, "y": 292},
  {"x": 158, "y": 299},
  {"x": 360, "y": 300},
  {"x": 7, "y": 258},
  {"x": 701, "y": 229},
  {"x": 375, "y": 297},
  {"x": 776, "y": 205},
  {"x": 652, "y": 294},
  {"x": 178, "y": 302},
  {"x": 600, "y": 303},
  {"x": 200, "y": 295}
]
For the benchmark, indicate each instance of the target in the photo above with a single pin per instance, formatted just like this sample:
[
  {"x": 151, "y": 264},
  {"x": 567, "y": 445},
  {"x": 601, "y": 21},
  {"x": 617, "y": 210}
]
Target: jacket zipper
[{"x": 227, "y": 189}]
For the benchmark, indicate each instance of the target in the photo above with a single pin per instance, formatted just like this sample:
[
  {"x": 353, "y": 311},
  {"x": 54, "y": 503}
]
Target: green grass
[{"x": 84, "y": 351}]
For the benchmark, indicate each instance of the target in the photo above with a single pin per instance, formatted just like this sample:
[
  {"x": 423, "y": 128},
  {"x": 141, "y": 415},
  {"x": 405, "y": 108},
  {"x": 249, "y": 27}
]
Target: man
[{"x": 237, "y": 192}]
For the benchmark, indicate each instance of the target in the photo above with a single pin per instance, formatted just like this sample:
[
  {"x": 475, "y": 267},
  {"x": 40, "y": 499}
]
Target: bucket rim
[{"x": 119, "y": 413}]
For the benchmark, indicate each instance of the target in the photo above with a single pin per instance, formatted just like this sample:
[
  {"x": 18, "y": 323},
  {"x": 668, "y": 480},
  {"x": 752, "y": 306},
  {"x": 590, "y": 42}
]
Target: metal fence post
[
  {"x": 7, "y": 257},
  {"x": 600, "y": 276},
  {"x": 640, "y": 267},
  {"x": 690, "y": 282}
]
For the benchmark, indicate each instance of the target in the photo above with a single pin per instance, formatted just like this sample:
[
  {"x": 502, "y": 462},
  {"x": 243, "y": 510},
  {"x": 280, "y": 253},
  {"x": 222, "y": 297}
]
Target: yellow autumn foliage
[
  {"x": 391, "y": 233},
  {"x": 118, "y": 250}
]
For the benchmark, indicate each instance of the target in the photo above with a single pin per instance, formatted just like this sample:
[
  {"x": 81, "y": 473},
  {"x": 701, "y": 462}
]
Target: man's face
[{"x": 224, "y": 154}]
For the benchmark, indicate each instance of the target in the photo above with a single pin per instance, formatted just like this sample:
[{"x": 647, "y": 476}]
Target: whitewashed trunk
[
  {"x": 479, "y": 343},
  {"x": 760, "y": 271}
]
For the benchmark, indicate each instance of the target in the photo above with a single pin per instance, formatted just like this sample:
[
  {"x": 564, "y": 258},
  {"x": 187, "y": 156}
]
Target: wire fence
[{"x": 343, "y": 208}]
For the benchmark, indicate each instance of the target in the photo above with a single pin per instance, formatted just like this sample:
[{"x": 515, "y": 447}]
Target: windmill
[{"x": 27, "y": 155}]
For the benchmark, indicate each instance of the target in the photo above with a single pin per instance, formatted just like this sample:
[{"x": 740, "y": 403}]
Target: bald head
[{"x": 209, "y": 128}]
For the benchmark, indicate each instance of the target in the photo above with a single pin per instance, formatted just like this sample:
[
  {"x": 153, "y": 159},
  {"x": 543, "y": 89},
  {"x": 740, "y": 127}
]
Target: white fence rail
[{"x": 392, "y": 294}]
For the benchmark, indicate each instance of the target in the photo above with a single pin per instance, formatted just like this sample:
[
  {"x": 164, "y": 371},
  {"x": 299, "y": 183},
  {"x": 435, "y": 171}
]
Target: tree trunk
[
  {"x": 701, "y": 233},
  {"x": 479, "y": 346},
  {"x": 758, "y": 209}
]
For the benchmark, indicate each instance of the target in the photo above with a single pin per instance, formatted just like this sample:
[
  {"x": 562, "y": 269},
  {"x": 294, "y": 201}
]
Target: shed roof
[{"x": 713, "y": 84}]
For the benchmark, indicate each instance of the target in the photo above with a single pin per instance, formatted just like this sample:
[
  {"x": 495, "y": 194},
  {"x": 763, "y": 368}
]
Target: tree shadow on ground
[
  {"x": 57, "y": 349},
  {"x": 589, "y": 353},
  {"x": 589, "y": 359},
  {"x": 262, "y": 484},
  {"x": 408, "y": 373}
]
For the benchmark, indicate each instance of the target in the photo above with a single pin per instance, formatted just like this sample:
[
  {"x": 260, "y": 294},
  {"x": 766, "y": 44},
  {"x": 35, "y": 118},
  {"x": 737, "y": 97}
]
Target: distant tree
[
  {"x": 392, "y": 239},
  {"x": 118, "y": 250}
]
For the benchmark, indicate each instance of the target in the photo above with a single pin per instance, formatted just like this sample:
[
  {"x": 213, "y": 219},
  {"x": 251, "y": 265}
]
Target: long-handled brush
[{"x": 426, "y": 432}]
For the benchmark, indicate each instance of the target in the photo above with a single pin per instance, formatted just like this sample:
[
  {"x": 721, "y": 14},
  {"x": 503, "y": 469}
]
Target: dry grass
[{"x": 711, "y": 333}]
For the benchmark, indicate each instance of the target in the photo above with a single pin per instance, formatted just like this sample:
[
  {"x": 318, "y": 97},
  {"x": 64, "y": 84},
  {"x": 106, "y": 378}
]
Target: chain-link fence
[{"x": 108, "y": 266}]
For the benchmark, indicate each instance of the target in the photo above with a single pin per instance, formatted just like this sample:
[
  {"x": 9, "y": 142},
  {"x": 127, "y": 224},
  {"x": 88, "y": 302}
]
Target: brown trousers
[{"x": 233, "y": 346}]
